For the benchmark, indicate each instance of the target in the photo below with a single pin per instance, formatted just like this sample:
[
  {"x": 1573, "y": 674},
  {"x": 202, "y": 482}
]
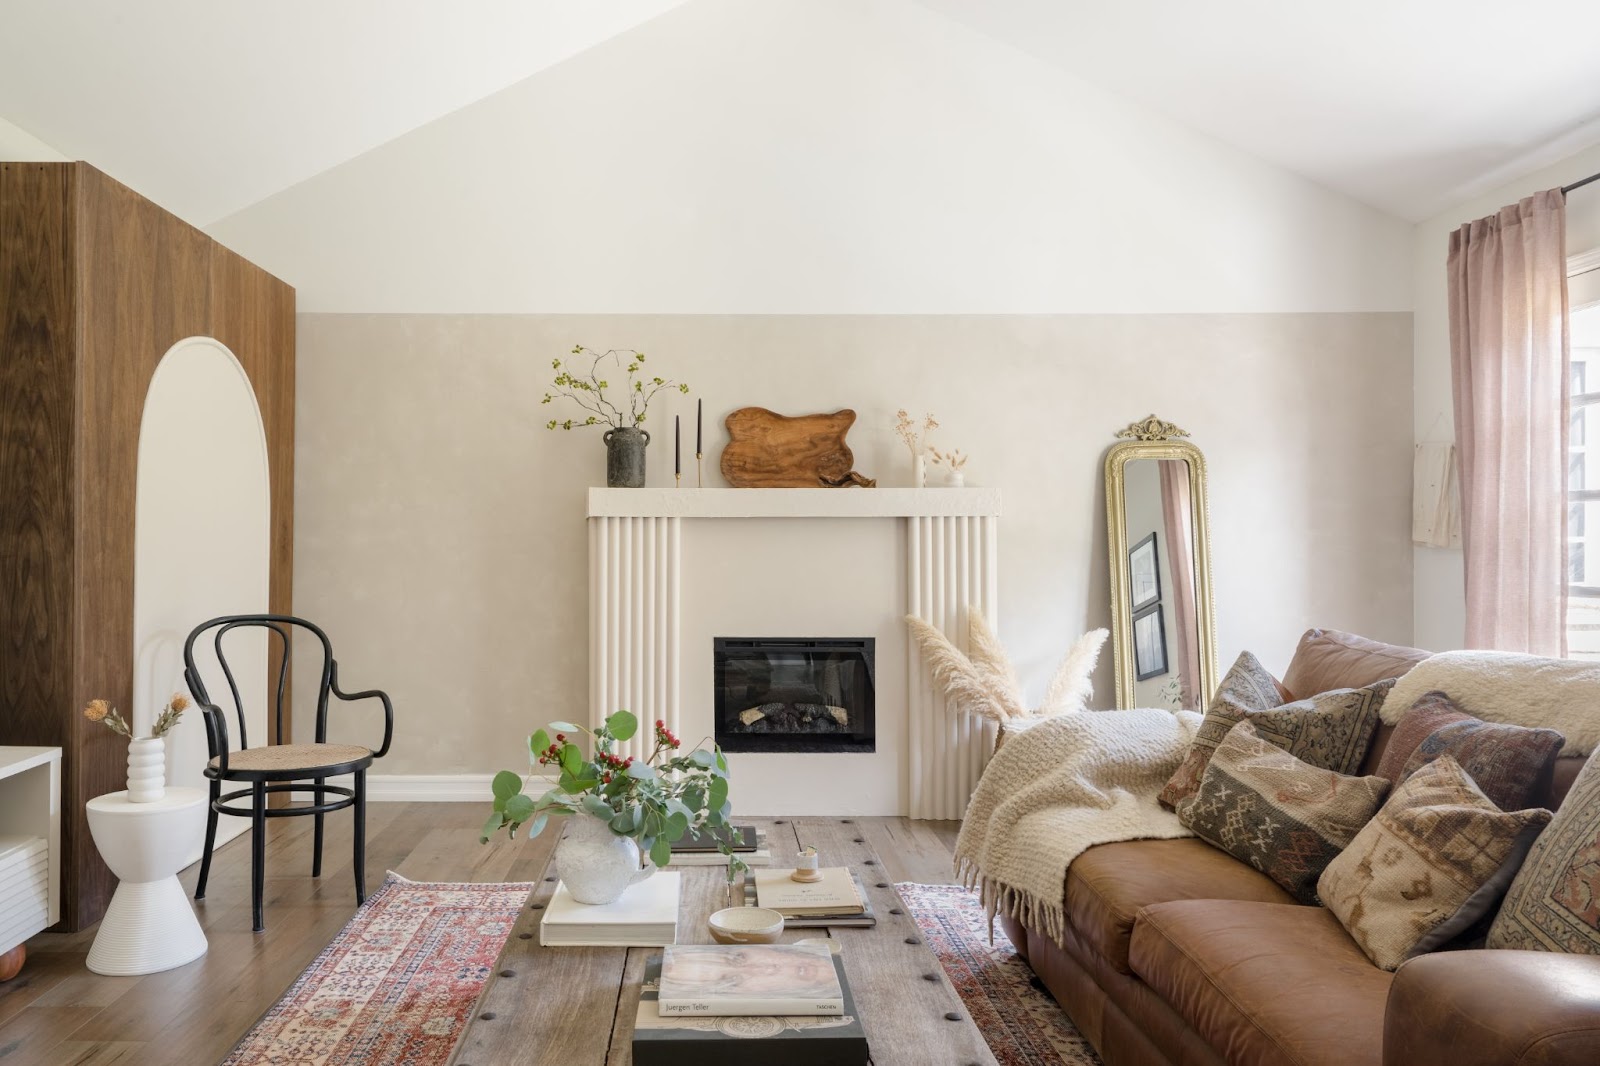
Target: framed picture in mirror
[
  {"x": 1144, "y": 574},
  {"x": 1149, "y": 643}
]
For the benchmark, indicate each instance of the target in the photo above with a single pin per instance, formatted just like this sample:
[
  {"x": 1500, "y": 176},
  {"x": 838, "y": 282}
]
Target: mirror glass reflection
[{"x": 1158, "y": 520}]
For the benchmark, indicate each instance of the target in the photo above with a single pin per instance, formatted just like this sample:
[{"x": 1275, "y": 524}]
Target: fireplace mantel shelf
[{"x": 794, "y": 503}]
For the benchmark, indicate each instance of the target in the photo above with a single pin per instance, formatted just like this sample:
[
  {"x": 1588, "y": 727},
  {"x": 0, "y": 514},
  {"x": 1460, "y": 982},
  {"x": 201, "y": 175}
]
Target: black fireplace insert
[{"x": 795, "y": 695}]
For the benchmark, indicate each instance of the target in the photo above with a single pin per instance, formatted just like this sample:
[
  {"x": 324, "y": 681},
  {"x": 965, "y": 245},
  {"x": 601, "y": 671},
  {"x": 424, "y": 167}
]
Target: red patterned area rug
[
  {"x": 396, "y": 985},
  {"x": 1022, "y": 1024}
]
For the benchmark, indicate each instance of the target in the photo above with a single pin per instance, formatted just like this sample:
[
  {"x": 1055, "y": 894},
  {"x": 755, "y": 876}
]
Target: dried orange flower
[{"x": 97, "y": 710}]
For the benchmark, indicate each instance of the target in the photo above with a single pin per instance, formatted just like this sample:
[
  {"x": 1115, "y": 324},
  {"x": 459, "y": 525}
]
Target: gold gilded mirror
[{"x": 1163, "y": 638}]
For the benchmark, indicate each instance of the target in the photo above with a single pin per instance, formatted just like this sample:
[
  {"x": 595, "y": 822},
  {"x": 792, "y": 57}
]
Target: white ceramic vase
[
  {"x": 595, "y": 864},
  {"x": 955, "y": 479},
  {"x": 919, "y": 471},
  {"x": 147, "y": 769}
]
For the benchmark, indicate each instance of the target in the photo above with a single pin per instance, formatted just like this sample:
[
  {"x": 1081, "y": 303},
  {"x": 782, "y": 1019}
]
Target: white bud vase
[
  {"x": 919, "y": 472},
  {"x": 147, "y": 769}
]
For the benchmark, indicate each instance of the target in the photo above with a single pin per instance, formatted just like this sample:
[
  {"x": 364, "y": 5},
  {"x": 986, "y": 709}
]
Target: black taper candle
[
  {"x": 677, "y": 448},
  {"x": 699, "y": 413}
]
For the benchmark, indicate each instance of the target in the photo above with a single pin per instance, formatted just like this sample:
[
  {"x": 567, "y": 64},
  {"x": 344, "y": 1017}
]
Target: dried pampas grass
[{"x": 985, "y": 683}]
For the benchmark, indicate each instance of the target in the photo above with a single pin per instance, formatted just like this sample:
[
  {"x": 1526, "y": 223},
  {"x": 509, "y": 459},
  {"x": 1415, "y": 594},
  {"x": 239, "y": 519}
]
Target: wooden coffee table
[{"x": 577, "y": 1005}]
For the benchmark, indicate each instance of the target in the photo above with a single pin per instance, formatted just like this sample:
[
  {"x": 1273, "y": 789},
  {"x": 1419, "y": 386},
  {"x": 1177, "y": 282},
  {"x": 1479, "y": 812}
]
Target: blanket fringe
[{"x": 1047, "y": 916}]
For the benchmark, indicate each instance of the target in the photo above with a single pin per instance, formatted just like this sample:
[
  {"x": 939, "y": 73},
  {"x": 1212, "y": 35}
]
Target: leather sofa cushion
[
  {"x": 1327, "y": 659},
  {"x": 1109, "y": 884},
  {"x": 1264, "y": 983}
]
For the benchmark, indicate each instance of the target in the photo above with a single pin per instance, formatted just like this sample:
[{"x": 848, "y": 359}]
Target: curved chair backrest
[{"x": 281, "y": 624}]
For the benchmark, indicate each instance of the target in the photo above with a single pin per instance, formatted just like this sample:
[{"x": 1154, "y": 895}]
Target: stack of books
[
  {"x": 703, "y": 1005},
  {"x": 703, "y": 849},
  {"x": 645, "y": 917},
  {"x": 838, "y": 899}
]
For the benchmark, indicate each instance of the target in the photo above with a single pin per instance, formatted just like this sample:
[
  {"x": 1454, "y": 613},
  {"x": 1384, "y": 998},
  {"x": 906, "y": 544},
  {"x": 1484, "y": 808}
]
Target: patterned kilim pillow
[
  {"x": 1437, "y": 858},
  {"x": 1554, "y": 903},
  {"x": 1510, "y": 764},
  {"x": 1280, "y": 814},
  {"x": 1330, "y": 730}
]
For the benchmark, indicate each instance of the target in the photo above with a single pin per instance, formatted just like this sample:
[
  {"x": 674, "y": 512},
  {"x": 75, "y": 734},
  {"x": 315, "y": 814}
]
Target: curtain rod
[{"x": 1579, "y": 184}]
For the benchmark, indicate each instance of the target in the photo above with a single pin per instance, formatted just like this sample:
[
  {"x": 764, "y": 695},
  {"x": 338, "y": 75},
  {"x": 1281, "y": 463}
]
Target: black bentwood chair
[{"x": 278, "y": 767}]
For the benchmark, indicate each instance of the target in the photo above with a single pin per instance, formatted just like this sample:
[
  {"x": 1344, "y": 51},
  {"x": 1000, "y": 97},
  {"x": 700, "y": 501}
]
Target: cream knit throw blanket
[{"x": 1059, "y": 788}]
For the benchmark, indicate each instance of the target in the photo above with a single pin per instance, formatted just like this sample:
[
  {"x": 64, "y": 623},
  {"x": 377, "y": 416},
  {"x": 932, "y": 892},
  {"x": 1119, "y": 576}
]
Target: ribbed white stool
[{"x": 149, "y": 925}]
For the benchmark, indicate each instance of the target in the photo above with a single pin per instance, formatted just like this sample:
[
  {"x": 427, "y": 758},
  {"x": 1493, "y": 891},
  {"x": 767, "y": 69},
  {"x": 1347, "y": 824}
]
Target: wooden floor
[{"x": 56, "y": 1012}]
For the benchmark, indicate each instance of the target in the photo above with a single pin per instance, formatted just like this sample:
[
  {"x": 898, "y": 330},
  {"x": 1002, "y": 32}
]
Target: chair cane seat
[{"x": 303, "y": 759}]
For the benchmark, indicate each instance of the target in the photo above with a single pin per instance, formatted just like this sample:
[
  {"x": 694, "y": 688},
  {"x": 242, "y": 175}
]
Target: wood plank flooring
[{"x": 57, "y": 1013}]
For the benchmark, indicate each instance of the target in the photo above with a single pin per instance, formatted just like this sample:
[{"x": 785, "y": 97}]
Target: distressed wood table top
[{"x": 564, "y": 1005}]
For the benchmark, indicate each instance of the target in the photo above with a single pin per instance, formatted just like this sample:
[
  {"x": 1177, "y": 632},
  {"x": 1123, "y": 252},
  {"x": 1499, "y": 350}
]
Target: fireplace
[{"x": 794, "y": 695}]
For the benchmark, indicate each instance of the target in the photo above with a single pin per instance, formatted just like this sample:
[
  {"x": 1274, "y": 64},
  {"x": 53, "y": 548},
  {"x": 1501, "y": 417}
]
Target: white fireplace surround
[{"x": 636, "y": 578}]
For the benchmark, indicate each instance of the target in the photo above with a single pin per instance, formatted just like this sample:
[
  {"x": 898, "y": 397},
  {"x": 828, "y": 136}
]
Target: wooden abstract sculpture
[{"x": 773, "y": 451}]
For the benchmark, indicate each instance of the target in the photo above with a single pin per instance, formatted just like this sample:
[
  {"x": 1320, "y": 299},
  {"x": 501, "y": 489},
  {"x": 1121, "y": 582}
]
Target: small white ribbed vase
[{"x": 147, "y": 769}]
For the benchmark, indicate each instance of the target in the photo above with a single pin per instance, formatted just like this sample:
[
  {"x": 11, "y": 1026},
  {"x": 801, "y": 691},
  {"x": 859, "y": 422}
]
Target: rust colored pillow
[
  {"x": 1433, "y": 710},
  {"x": 1510, "y": 764}
]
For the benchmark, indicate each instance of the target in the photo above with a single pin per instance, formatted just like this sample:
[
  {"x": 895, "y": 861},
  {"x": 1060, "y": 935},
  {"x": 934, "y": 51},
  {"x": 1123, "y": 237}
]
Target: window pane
[{"x": 1575, "y": 564}]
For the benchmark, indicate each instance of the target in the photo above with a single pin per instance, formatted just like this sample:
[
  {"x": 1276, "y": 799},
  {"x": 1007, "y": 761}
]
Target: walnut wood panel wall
[{"x": 96, "y": 284}]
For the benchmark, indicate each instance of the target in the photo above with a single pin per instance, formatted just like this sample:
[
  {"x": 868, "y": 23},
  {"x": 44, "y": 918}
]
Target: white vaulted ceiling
[
  {"x": 207, "y": 107},
  {"x": 1408, "y": 105}
]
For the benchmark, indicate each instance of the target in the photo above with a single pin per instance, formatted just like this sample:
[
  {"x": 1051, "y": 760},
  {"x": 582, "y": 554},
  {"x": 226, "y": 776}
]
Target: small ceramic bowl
[{"x": 746, "y": 925}]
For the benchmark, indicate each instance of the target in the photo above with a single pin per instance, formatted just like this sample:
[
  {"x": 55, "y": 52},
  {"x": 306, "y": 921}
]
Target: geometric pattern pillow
[
  {"x": 1554, "y": 903},
  {"x": 1282, "y": 815},
  {"x": 1511, "y": 764},
  {"x": 1434, "y": 860},
  {"x": 1247, "y": 686},
  {"x": 1331, "y": 730}
]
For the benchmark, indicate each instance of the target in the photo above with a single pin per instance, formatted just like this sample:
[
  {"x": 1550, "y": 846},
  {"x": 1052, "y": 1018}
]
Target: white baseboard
[{"x": 430, "y": 788}]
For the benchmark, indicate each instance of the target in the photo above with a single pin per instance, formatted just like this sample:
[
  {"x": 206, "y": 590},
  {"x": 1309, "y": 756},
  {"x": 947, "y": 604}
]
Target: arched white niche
[{"x": 202, "y": 545}]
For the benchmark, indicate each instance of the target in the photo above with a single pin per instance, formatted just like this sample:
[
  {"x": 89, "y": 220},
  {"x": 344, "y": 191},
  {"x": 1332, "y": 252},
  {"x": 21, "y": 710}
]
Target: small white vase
[
  {"x": 595, "y": 864},
  {"x": 919, "y": 472},
  {"x": 955, "y": 479},
  {"x": 147, "y": 769}
]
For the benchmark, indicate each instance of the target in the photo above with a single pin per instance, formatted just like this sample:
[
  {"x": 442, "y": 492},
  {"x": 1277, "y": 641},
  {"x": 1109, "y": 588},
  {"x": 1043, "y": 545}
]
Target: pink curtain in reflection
[
  {"x": 1509, "y": 366},
  {"x": 1178, "y": 519}
]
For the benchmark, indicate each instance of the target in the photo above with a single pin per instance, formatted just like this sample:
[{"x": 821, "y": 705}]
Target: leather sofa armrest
[{"x": 1494, "y": 1008}]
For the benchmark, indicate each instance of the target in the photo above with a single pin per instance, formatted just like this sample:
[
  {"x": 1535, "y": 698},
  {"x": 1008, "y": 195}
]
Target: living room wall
[{"x": 811, "y": 206}]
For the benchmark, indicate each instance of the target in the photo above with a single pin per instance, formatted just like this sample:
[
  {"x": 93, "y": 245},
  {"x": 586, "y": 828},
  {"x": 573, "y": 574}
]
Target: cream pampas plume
[
  {"x": 1071, "y": 688},
  {"x": 990, "y": 660},
  {"x": 969, "y": 687},
  {"x": 986, "y": 683}
]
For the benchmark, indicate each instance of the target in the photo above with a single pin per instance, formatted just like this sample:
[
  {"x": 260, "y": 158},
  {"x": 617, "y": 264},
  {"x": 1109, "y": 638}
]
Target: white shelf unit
[{"x": 30, "y": 842}]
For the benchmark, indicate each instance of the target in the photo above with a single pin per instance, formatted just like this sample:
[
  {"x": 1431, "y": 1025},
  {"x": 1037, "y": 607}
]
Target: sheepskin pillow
[
  {"x": 1330, "y": 730},
  {"x": 1436, "y": 859},
  {"x": 1280, "y": 814},
  {"x": 1500, "y": 686}
]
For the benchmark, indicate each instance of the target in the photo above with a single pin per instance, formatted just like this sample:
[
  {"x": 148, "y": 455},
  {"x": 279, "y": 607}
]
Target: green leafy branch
[{"x": 587, "y": 389}]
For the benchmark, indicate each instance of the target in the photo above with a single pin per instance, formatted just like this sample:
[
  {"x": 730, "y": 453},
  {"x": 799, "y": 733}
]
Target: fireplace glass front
[{"x": 794, "y": 695}]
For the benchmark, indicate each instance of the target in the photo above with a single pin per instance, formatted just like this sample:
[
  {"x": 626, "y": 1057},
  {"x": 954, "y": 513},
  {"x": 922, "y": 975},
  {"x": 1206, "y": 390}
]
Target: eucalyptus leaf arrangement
[
  {"x": 656, "y": 800},
  {"x": 588, "y": 388}
]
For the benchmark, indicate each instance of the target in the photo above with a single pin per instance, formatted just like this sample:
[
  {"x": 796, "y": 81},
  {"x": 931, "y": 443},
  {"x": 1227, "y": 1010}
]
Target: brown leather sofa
[{"x": 1176, "y": 953}]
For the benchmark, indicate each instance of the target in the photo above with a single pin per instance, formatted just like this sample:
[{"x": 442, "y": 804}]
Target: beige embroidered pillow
[
  {"x": 1330, "y": 730},
  {"x": 1280, "y": 814},
  {"x": 1437, "y": 858},
  {"x": 1554, "y": 903}
]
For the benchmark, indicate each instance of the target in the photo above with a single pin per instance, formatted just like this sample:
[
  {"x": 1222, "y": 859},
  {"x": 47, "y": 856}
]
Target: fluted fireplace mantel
[{"x": 949, "y": 552}]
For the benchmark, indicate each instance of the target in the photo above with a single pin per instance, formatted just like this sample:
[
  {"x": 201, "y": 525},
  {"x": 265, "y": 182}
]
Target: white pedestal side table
[{"x": 149, "y": 925}]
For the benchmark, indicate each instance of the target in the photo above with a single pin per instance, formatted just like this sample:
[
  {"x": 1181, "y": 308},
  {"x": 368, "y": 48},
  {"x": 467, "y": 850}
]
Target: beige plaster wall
[{"x": 440, "y": 531}]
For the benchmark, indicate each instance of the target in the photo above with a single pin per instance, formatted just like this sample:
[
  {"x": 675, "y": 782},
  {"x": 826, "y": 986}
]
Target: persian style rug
[
  {"x": 396, "y": 985},
  {"x": 1023, "y": 1025}
]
